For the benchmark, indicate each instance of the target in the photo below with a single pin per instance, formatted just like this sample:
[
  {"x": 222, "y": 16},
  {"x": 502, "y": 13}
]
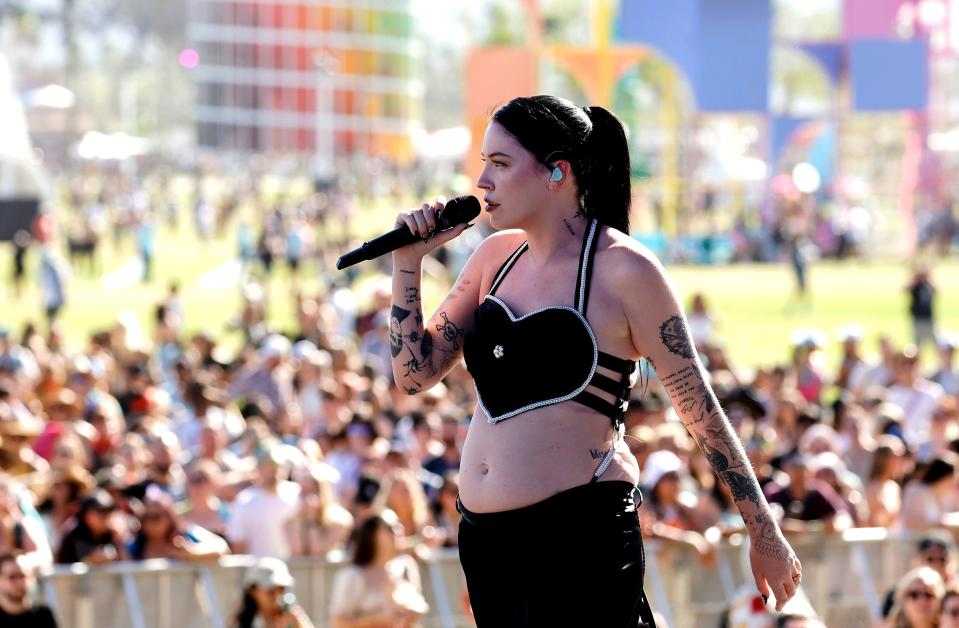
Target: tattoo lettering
[
  {"x": 397, "y": 316},
  {"x": 580, "y": 212},
  {"x": 451, "y": 333},
  {"x": 569, "y": 227},
  {"x": 407, "y": 272},
  {"x": 687, "y": 385},
  {"x": 676, "y": 338},
  {"x": 412, "y": 295},
  {"x": 412, "y": 390},
  {"x": 597, "y": 454}
]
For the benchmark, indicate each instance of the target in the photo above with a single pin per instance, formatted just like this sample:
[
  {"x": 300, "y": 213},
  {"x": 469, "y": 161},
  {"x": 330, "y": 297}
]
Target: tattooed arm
[{"x": 659, "y": 331}]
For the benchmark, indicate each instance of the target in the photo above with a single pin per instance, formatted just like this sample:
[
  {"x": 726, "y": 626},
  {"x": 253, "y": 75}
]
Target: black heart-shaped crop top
[{"x": 544, "y": 357}]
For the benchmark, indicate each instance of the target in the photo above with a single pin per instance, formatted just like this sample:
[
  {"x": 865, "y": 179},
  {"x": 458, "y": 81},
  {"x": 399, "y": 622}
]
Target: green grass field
[{"x": 753, "y": 301}]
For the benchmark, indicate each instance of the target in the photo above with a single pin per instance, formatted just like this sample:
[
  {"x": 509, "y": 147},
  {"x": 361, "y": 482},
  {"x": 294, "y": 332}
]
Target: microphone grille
[{"x": 460, "y": 209}]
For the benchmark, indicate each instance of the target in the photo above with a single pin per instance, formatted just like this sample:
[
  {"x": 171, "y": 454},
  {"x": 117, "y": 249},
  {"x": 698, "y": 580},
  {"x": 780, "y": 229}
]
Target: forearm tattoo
[
  {"x": 704, "y": 419},
  {"x": 414, "y": 350}
]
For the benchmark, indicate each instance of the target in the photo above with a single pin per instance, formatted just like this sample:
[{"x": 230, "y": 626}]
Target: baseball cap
[
  {"x": 268, "y": 573},
  {"x": 274, "y": 346},
  {"x": 303, "y": 349},
  {"x": 658, "y": 464}
]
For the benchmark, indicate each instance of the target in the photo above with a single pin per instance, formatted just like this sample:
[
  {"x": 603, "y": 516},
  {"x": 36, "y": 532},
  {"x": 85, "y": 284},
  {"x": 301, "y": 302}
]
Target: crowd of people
[{"x": 299, "y": 445}]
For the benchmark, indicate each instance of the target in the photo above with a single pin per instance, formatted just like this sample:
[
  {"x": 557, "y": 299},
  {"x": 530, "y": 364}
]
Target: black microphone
[{"x": 458, "y": 210}]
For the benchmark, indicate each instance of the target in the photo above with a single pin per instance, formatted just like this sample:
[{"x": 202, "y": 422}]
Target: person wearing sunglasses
[
  {"x": 935, "y": 552},
  {"x": 949, "y": 609},
  {"x": 917, "y": 599}
]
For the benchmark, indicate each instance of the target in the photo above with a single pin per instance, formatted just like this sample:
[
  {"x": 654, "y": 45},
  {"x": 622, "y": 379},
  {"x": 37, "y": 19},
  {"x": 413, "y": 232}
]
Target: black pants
[{"x": 575, "y": 559}]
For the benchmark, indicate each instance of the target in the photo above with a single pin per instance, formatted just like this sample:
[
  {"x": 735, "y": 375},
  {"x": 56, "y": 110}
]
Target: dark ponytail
[
  {"x": 606, "y": 194},
  {"x": 592, "y": 139}
]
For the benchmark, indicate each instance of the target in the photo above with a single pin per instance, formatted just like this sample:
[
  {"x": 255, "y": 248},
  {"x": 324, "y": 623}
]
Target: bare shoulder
[
  {"x": 631, "y": 264},
  {"x": 496, "y": 248}
]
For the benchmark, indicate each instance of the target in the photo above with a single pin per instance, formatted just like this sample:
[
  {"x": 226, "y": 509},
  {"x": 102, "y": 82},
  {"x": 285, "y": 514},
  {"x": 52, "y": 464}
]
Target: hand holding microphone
[{"x": 419, "y": 231}]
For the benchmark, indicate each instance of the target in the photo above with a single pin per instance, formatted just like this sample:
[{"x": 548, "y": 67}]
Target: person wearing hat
[
  {"x": 669, "y": 515},
  {"x": 18, "y": 431},
  {"x": 267, "y": 600},
  {"x": 62, "y": 497}
]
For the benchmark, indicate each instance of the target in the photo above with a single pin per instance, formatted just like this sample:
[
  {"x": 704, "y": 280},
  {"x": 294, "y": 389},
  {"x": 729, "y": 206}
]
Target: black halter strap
[
  {"x": 590, "y": 241},
  {"x": 507, "y": 265}
]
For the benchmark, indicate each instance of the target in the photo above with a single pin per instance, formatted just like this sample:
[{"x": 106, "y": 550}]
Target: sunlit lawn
[{"x": 753, "y": 301}]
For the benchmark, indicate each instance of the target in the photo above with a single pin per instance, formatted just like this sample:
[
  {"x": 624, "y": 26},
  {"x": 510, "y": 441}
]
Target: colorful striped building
[{"x": 331, "y": 78}]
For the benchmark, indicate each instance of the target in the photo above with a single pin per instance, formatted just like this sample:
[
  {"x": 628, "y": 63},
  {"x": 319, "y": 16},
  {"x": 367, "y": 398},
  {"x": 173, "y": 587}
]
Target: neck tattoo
[{"x": 569, "y": 227}]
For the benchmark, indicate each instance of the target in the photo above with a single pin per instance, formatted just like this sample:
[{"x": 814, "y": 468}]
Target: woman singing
[{"x": 551, "y": 315}]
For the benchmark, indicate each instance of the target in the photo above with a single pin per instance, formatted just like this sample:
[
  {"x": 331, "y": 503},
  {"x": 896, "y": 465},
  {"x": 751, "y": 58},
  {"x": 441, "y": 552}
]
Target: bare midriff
[{"x": 534, "y": 455}]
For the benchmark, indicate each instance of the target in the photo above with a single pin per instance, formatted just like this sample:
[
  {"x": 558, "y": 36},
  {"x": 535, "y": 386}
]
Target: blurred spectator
[
  {"x": 807, "y": 503},
  {"x": 928, "y": 500},
  {"x": 922, "y": 298},
  {"x": 875, "y": 374},
  {"x": 63, "y": 498},
  {"x": 851, "y": 362},
  {"x": 163, "y": 535},
  {"x": 17, "y": 609},
  {"x": 203, "y": 507},
  {"x": 270, "y": 377},
  {"x": 947, "y": 374},
  {"x": 248, "y": 531},
  {"x": 21, "y": 244},
  {"x": 933, "y": 552},
  {"x": 53, "y": 282},
  {"x": 670, "y": 511},
  {"x": 949, "y": 608},
  {"x": 884, "y": 491},
  {"x": 381, "y": 587},
  {"x": 401, "y": 493},
  {"x": 916, "y": 601},
  {"x": 917, "y": 396},
  {"x": 447, "y": 515},
  {"x": 322, "y": 525},
  {"x": 267, "y": 600},
  {"x": 702, "y": 322},
  {"x": 95, "y": 534}
]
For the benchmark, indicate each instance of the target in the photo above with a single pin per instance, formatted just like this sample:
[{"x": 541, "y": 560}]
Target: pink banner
[{"x": 870, "y": 18}]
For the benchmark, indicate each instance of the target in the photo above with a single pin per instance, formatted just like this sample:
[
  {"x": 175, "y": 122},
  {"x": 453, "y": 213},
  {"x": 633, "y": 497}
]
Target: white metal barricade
[{"x": 844, "y": 575}]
